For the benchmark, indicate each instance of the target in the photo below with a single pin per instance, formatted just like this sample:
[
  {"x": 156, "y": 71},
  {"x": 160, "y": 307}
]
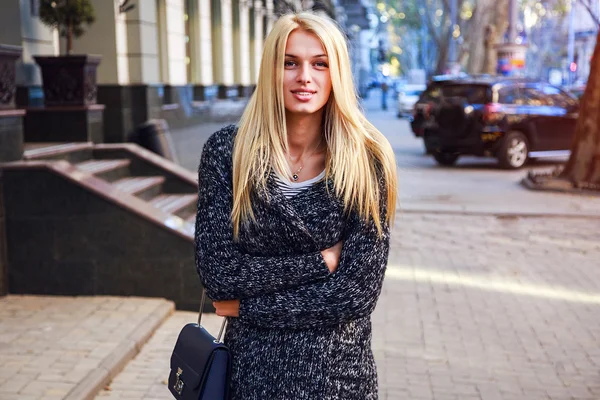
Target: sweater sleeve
[
  {"x": 225, "y": 271},
  {"x": 349, "y": 293}
]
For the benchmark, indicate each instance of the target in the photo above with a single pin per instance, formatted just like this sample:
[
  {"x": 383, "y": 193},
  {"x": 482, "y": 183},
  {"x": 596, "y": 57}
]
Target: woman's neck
[{"x": 304, "y": 133}]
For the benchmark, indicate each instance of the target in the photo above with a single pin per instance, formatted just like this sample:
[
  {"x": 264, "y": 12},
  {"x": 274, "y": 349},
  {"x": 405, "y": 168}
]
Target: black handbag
[{"x": 200, "y": 364}]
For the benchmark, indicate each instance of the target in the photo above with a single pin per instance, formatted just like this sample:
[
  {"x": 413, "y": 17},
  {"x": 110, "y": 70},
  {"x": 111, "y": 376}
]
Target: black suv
[
  {"x": 510, "y": 119},
  {"x": 422, "y": 109}
]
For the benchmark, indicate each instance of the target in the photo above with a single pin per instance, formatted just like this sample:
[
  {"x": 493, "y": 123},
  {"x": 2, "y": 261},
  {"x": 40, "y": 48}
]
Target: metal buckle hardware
[{"x": 178, "y": 383}]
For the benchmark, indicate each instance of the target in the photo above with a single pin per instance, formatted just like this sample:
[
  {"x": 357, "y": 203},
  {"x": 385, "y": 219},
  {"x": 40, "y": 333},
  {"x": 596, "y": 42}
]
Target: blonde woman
[{"x": 292, "y": 233}]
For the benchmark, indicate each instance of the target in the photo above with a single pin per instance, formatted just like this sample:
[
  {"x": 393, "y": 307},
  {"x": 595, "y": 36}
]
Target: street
[{"x": 474, "y": 185}]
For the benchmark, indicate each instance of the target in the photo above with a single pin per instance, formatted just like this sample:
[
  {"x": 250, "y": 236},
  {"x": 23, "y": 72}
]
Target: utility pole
[{"x": 513, "y": 16}]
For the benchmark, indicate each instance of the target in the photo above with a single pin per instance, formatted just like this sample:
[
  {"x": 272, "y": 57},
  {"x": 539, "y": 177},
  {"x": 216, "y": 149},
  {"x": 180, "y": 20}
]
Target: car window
[
  {"x": 475, "y": 94},
  {"x": 557, "y": 97},
  {"x": 535, "y": 97},
  {"x": 509, "y": 95}
]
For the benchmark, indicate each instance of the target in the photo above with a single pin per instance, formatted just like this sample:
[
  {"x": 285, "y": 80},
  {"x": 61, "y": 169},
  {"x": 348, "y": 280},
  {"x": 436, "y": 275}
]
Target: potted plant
[{"x": 69, "y": 79}]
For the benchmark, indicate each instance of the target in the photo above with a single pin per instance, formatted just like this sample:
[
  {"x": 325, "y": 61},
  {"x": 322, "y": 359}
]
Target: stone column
[
  {"x": 138, "y": 43},
  {"x": 269, "y": 17},
  {"x": 222, "y": 34},
  {"x": 256, "y": 42},
  {"x": 172, "y": 54},
  {"x": 200, "y": 47},
  {"x": 134, "y": 94},
  {"x": 241, "y": 46}
]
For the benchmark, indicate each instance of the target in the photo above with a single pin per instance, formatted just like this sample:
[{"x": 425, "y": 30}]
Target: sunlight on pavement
[{"x": 489, "y": 283}]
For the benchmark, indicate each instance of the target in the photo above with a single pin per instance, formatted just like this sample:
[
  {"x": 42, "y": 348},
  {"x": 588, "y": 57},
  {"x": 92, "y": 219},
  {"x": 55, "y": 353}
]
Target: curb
[
  {"x": 113, "y": 363},
  {"x": 497, "y": 214},
  {"x": 558, "y": 187}
]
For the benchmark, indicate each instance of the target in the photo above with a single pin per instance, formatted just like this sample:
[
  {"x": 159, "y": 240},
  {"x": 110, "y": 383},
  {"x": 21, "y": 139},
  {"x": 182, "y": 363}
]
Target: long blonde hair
[{"x": 356, "y": 150}]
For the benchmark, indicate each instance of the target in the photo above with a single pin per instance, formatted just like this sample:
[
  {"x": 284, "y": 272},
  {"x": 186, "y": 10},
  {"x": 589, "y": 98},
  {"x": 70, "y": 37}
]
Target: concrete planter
[{"x": 69, "y": 80}]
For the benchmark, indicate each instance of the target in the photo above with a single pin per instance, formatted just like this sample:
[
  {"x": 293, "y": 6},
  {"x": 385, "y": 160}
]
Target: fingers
[{"x": 332, "y": 256}]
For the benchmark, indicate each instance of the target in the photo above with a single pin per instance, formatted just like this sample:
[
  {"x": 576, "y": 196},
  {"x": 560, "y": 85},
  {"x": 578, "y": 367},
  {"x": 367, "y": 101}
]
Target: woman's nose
[{"x": 303, "y": 74}]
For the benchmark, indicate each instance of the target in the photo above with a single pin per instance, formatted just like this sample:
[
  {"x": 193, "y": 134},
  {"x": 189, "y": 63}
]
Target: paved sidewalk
[
  {"x": 491, "y": 308},
  {"x": 146, "y": 376},
  {"x": 70, "y": 347},
  {"x": 473, "y": 308}
]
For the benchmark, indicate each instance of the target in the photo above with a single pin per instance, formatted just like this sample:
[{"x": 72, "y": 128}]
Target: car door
[
  {"x": 565, "y": 110},
  {"x": 540, "y": 116}
]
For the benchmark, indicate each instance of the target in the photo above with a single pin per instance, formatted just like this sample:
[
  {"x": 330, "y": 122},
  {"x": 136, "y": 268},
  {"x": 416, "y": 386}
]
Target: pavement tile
[{"x": 50, "y": 344}]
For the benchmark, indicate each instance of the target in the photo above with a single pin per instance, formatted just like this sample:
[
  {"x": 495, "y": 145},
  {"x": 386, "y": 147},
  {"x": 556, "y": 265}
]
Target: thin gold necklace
[{"x": 295, "y": 175}]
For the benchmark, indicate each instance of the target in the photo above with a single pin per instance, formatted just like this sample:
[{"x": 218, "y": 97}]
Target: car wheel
[
  {"x": 445, "y": 158},
  {"x": 514, "y": 151}
]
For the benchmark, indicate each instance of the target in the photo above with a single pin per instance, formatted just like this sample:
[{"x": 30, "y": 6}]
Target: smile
[{"x": 303, "y": 95}]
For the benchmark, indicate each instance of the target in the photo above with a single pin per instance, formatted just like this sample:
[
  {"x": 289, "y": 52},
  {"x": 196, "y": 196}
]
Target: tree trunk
[
  {"x": 490, "y": 58},
  {"x": 475, "y": 42},
  {"x": 69, "y": 30},
  {"x": 494, "y": 34},
  {"x": 501, "y": 19},
  {"x": 583, "y": 167},
  {"x": 442, "y": 61},
  {"x": 69, "y": 39}
]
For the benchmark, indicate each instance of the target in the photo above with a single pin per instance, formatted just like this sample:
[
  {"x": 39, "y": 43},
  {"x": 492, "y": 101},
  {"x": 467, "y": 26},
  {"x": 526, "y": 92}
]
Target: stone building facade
[{"x": 170, "y": 59}]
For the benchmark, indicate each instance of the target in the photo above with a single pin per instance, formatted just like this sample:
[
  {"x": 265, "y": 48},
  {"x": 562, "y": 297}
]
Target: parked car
[
  {"x": 431, "y": 96},
  {"x": 423, "y": 106},
  {"x": 407, "y": 97},
  {"x": 510, "y": 119}
]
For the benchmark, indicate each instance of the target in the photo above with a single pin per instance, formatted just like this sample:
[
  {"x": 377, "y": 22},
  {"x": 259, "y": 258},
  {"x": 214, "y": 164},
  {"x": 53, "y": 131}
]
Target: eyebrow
[{"x": 317, "y": 56}]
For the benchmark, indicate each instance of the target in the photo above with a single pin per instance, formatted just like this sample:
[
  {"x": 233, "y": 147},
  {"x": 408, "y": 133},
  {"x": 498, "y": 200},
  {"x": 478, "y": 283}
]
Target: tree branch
[{"x": 588, "y": 7}]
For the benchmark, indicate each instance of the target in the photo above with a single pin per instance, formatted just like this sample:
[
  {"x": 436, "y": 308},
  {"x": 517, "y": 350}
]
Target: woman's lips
[{"x": 303, "y": 95}]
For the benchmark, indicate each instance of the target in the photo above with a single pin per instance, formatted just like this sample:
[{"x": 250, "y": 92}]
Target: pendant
[{"x": 295, "y": 177}]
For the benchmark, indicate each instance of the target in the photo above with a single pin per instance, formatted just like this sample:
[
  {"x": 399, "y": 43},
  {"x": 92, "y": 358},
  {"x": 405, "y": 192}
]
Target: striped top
[{"x": 290, "y": 189}]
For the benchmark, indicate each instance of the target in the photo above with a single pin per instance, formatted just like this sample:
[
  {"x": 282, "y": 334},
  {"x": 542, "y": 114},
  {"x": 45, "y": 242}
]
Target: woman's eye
[
  {"x": 321, "y": 64},
  {"x": 289, "y": 64}
]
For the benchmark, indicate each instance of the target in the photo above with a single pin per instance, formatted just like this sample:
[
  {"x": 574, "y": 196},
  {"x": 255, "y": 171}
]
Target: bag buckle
[{"x": 178, "y": 383}]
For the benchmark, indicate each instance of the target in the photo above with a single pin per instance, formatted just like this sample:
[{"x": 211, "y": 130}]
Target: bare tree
[{"x": 583, "y": 167}]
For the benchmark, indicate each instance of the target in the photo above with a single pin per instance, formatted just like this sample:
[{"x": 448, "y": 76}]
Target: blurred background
[{"x": 491, "y": 106}]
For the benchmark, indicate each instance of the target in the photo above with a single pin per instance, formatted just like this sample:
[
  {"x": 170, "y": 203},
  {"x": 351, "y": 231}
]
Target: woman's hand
[
  {"x": 227, "y": 308},
  {"x": 332, "y": 256}
]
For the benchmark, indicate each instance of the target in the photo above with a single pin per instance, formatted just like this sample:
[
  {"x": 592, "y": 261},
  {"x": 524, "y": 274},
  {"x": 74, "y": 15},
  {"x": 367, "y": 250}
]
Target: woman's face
[{"x": 306, "y": 78}]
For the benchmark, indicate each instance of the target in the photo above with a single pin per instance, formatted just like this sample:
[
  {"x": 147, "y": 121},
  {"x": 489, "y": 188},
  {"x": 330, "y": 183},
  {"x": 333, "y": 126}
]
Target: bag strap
[{"x": 220, "y": 337}]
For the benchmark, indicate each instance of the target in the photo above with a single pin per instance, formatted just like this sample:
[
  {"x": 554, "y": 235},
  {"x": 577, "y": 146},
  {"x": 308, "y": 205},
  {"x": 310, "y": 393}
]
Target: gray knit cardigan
[{"x": 302, "y": 333}]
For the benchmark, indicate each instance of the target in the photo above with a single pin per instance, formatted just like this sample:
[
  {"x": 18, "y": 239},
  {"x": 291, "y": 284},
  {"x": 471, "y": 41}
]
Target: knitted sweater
[{"x": 302, "y": 333}]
